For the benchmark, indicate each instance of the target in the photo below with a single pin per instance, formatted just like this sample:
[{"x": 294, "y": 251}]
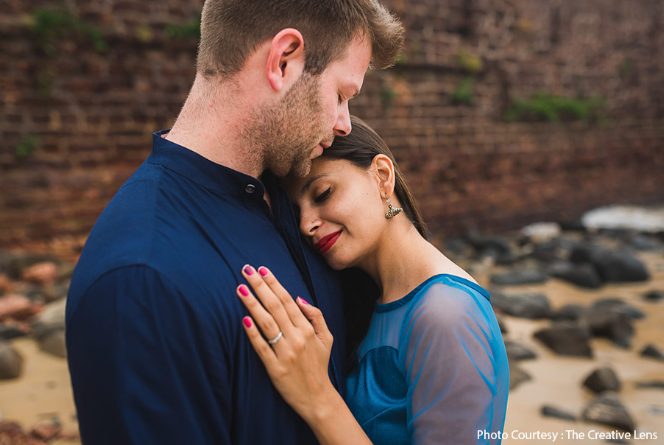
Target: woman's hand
[{"x": 297, "y": 358}]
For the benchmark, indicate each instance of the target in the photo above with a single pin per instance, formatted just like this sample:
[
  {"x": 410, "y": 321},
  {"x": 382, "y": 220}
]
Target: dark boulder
[
  {"x": 546, "y": 252},
  {"x": 610, "y": 323},
  {"x": 10, "y": 330},
  {"x": 485, "y": 244},
  {"x": 553, "y": 250},
  {"x": 573, "y": 225},
  {"x": 11, "y": 362},
  {"x": 54, "y": 343},
  {"x": 16, "y": 263},
  {"x": 507, "y": 259},
  {"x": 51, "y": 319},
  {"x": 517, "y": 375},
  {"x": 518, "y": 277},
  {"x": 582, "y": 274},
  {"x": 612, "y": 266},
  {"x": 551, "y": 411},
  {"x": 5, "y": 260},
  {"x": 641, "y": 242},
  {"x": 654, "y": 296},
  {"x": 569, "y": 312},
  {"x": 619, "y": 305},
  {"x": 602, "y": 379},
  {"x": 659, "y": 384},
  {"x": 455, "y": 246},
  {"x": 607, "y": 409},
  {"x": 517, "y": 351},
  {"x": 652, "y": 351},
  {"x": 53, "y": 292},
  {"x": 566, "y": 338},
  {"x": 502, "y": 326},
  {"x": 531, "y": 306}
]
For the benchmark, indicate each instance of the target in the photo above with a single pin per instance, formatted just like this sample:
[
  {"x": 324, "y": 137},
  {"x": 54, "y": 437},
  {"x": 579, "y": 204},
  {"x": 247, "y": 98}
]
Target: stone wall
[{"x": 77, "y": 109}]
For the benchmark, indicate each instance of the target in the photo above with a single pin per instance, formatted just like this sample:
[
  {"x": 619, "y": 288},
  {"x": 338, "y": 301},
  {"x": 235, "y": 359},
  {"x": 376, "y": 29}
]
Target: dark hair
[
  {"x": 232, "y": 29},
  {"x": 359, "y": 148},
  {"x": 360, "y": 291}
]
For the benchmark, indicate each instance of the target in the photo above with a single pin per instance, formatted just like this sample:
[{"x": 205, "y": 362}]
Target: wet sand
[
  {"x": 44, "y": 389},
  {"x": 41, "y": 392},
  {"x": 557, "y": 380}
]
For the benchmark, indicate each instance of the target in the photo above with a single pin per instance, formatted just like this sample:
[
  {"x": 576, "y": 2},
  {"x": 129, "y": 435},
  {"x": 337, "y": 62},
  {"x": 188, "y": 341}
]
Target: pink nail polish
[
  {"x": 262, "y": 271},
  {"x": 247, "y": 322},
  {"x": 248, "y": 270},
  {"x": 243, "y": 290},
  {"x": 303, "y": 301}
]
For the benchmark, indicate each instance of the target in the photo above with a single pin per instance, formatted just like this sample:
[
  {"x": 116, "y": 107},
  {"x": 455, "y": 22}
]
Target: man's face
[{"x": 312, "y": 113}]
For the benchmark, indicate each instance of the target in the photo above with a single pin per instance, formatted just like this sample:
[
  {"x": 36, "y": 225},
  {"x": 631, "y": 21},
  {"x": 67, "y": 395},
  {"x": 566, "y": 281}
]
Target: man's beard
[{"x": 287, "y": 132}]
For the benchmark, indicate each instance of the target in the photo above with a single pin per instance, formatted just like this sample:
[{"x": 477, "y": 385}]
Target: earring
[{"x": 393, "y": 211}]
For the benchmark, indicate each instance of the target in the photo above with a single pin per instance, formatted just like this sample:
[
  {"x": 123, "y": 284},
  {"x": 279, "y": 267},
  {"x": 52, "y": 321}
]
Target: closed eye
[{"x": 323, "y": 196}]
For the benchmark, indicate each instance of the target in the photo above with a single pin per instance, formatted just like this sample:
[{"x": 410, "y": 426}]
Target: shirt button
[{"x": 250, "y": 188}]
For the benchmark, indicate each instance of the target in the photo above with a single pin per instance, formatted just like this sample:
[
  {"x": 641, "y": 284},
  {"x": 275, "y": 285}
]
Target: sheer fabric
[{"x": 432, "y": 368}]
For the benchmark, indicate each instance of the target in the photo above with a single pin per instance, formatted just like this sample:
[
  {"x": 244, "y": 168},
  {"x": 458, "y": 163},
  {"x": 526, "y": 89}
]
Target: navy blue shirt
[{"x": 156, "y": 350}]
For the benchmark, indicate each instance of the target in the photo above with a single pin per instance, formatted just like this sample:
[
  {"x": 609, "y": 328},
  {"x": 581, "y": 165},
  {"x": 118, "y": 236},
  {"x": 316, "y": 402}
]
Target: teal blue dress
[{"x": 432, "y": 368}]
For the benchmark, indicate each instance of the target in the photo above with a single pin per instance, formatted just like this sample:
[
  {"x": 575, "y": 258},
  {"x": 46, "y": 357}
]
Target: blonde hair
[{"x": 232, "y": 29}]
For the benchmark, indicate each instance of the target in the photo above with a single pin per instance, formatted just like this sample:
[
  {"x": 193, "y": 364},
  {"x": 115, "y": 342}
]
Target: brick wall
[{"x": 75, "y": 121}]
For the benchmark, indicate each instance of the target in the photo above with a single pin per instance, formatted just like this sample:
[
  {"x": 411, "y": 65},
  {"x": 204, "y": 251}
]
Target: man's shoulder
[
  {"x": 121, "y": 234},
  {"x": 135, "y": 227}
]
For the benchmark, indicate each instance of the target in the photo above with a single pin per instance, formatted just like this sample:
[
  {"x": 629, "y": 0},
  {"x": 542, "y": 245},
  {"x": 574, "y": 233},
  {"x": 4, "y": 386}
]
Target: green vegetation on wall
[
  {"x": 552, "y": 108},
  {"x": 463, "y": 95},
  {"x": 625, "y": 69},
  {"x": 470, "y": 63},
  {"x": 49, "y": 25},
  {"x": 190, "y": 30},
  {"x": 28, "y": 145},
  {"x": 387, "y": 95}
]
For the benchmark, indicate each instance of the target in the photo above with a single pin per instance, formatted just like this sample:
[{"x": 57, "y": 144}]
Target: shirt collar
[{"x": 202, "y": 171}]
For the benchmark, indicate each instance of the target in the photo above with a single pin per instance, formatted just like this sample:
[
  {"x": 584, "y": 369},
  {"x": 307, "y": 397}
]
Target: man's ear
[
  {"x": 285, "y": 62},
  {"x": 384, "y": 169}
]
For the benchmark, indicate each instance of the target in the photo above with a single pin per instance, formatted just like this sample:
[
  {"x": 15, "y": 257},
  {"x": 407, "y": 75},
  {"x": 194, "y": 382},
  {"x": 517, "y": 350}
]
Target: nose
[
  {"x": 308, "y": 224},
  {"x": 343, "y": 126}
]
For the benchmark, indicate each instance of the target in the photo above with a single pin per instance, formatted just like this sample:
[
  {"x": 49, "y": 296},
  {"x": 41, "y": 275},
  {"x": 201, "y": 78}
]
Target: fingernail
[
  {"x": 248, "y": 270},
  {"x": 262, "y": 271},
  {"x": 247, "y": 322},
  {"x": 243, "y": 290},
  {"x": 303, "y": 301}
]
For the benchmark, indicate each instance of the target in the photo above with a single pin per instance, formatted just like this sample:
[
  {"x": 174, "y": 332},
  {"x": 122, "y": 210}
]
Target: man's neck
[{"x": 211, "y": 125}]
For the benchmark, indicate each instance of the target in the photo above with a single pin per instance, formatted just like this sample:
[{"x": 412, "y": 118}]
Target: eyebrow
[{"x": 310, "y": 181}]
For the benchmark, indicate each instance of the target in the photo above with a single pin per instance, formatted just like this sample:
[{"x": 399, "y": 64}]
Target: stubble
[{"x": 286, "y": 133}]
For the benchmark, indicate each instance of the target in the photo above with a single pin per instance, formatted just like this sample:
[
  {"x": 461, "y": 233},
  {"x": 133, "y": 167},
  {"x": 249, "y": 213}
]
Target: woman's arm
[
  {"x": 455, "y": 366},
  {"x": 297, "y": 357}
]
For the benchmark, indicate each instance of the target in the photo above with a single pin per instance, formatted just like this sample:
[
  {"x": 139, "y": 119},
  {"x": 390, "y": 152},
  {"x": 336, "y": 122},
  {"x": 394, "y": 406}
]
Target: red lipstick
[{"x": 326, "y": 242}]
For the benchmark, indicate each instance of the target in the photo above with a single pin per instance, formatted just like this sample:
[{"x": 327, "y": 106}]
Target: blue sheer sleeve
[{"x": 455, "y": 366}]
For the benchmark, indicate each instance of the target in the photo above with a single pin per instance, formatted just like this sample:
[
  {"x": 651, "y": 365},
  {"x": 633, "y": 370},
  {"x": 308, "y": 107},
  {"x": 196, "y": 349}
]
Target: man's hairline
[{"x": 223, "y": 78}]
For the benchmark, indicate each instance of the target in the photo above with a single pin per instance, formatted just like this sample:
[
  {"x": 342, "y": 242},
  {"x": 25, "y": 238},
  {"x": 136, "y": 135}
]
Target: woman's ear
[
  {"x": 384, "y": 169},
  {"x": 285, "y": 61}
]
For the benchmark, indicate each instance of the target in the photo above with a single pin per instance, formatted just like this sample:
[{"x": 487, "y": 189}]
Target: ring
[{"x": 276, "y": 339}]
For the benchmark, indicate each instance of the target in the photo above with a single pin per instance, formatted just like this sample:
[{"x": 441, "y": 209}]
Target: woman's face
[{"x": 341, "y": 211}]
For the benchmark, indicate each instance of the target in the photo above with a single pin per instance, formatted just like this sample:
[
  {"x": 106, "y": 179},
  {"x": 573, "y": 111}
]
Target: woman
[{"x": 431, "y": 366}]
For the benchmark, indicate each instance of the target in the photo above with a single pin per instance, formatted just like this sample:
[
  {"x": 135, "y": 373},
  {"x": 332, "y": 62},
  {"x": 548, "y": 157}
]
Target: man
[{"x": 157, "y": 353}]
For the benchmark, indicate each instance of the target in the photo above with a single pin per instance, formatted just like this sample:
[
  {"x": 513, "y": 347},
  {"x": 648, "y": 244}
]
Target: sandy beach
[
  {"x": 557, "y": 380},
  {"x": 42, "y": 392}
]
